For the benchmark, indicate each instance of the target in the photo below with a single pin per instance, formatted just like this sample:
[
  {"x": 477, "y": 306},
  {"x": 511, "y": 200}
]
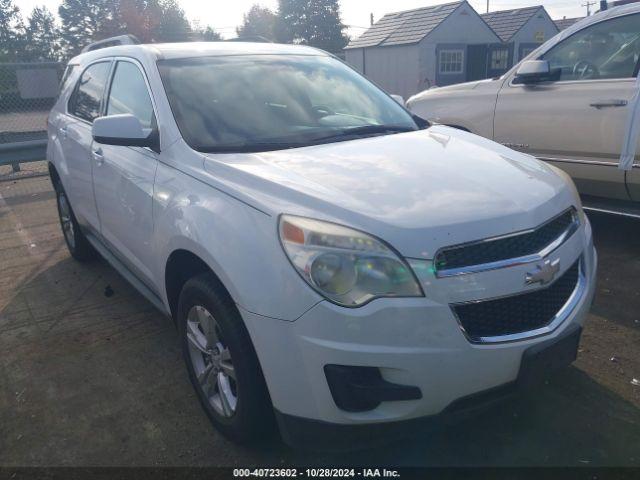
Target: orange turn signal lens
[{"x": 292, "y": 233}]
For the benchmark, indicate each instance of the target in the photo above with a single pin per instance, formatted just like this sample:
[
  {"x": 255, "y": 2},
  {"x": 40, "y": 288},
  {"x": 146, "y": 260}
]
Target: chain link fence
[{"x": 27, "y": 93}]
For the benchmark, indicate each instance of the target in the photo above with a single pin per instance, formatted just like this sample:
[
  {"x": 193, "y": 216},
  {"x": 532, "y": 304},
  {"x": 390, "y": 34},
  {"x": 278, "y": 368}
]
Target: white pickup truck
[{"x": 570, "y": 103}]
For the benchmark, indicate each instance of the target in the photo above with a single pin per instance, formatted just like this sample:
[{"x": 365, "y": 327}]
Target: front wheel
[
  {"x": 222, "y": 364},
  {"x": 78, "y": 245}
]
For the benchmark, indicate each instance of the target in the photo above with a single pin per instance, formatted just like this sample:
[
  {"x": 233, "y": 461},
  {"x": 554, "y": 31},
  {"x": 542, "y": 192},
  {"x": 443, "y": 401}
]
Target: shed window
[
  {"x": 451, "y": 61},
  {"x": 500, "y": 59}
]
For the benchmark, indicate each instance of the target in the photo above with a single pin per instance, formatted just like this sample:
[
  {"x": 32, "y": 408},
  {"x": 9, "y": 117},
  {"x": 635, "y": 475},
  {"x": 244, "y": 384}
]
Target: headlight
[{"x": 345, "y": 266}]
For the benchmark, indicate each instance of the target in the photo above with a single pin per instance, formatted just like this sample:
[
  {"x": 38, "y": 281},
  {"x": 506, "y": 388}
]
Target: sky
[{"x": 224, "y": 16}]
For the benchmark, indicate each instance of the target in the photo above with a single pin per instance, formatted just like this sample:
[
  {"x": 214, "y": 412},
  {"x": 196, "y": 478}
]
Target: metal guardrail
[
  {"x": 27, "y": 93},
  {"x": 21, "y": 152}
]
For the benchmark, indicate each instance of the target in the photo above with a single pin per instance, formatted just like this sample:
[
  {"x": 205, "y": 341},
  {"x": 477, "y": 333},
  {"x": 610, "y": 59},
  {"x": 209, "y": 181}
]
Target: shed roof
[
  {"x": 506, "y": 23},
  {"x": 406, "y": 27},
  {"x": 564, "y": 23}
]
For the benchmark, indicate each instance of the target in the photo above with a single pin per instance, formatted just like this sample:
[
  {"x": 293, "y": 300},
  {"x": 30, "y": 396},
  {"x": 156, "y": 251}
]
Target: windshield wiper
[
  {"x": 345, "y": 134},
  {"x": 365, "y": 130},
  {"x": 249, "y": 147}
]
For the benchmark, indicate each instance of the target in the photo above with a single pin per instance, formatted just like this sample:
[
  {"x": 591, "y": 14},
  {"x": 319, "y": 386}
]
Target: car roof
[
  {"x": 600, "y": 16},
  {"x": 162, "y": 51}
]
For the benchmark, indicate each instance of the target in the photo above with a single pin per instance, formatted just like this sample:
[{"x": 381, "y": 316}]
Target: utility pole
[
  {"x": 371, "y": 19},
  {"x": 487, "y": 6},
  {"x": 588, "y": 5}
]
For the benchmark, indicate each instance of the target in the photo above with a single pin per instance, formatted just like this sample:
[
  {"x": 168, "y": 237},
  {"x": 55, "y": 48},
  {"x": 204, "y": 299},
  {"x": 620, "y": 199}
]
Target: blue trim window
[
  {"x": 500, "y": 59},
  {"x": 451, "y": 61}
]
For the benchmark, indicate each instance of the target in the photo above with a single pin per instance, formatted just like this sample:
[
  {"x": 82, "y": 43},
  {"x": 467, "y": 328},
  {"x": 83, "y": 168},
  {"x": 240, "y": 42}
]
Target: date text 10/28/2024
[{"x": 315, "y": 473}]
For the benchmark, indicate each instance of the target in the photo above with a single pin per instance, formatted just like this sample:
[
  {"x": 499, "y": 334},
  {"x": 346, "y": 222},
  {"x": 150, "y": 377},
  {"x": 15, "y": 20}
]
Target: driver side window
[
  {"x": 129, "y": 94},
  {"x": 609, "y": 49}
]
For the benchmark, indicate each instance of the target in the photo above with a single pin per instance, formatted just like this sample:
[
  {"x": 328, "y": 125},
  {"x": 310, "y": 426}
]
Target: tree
[
  {"x": 42, "y": 36},
  {"x": 141, "y": 18},
  {"x": 11, "y": 31},
  {"x": 174, "y": 26},
  {"x": 207, "y": 34},
  {"x": 311, "y": 22},
  {"x": 258, "y": 22},
  {"x": 84, "y": 21}
]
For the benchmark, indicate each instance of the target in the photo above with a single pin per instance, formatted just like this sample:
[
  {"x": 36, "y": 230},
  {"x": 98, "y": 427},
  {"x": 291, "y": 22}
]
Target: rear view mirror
[
  {"x": 398, "y": 99},
  {"x": 124, "y": 130},
  {"x": 533, "y": 71}
]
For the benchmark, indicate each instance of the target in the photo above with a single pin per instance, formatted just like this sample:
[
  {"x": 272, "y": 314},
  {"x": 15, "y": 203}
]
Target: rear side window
[
  {"x": 129, "y": 94},
  {"x": 86, "y": 99}
]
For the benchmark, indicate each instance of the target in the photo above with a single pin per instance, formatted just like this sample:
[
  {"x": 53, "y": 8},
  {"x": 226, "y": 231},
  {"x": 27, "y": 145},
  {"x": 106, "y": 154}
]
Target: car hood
[
  {"x": 418, "y": 191},
  {"x": 460, "y": 86},
  {"x": 490, "y": 83}
]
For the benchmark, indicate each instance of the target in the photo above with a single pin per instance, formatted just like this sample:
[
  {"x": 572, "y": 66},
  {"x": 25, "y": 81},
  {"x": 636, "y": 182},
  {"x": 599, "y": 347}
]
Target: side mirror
[
  {"x": 398, "y": 99},
  {"x": 533, "y": 71},
  {"x": 124, "y": 130}
]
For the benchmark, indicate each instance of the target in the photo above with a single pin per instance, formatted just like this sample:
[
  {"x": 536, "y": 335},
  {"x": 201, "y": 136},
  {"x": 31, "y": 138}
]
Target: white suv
[{"x": 330, "y": 262}]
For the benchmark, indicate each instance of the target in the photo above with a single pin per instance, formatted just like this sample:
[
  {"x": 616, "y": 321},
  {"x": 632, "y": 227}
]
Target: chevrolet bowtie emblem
[{"x": 544, "y": 273}]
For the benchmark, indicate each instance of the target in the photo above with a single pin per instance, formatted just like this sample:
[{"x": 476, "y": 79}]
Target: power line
[{"x": 588, "y": 5}]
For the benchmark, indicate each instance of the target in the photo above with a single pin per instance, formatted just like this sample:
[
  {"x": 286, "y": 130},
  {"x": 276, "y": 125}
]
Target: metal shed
[
  {"x": 407, "y": 52},
  {"x": 564, "y": 23}
]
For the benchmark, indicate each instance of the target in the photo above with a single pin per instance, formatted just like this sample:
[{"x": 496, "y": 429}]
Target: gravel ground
[{"x": 94, "y": 379}]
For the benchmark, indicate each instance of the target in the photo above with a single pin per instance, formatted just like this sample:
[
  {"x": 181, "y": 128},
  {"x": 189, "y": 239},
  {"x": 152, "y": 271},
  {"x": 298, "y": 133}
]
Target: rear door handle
[
  {"x": 608, "y": 103},
  {"x": 97, "y": 156}
]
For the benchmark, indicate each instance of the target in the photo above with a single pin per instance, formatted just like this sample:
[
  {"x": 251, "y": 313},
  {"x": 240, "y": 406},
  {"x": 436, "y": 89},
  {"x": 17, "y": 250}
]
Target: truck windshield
[{"x": 251, "y": 103}]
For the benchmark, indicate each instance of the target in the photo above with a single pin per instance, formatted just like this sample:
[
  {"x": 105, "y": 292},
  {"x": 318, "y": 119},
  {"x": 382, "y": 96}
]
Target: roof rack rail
[{"x": 127, "y": 39}]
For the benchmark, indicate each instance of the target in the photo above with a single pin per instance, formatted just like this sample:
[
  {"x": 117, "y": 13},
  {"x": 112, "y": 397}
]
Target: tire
[
  {"x": 78, "y": 245},
  {"x": 222, "y": 364}
]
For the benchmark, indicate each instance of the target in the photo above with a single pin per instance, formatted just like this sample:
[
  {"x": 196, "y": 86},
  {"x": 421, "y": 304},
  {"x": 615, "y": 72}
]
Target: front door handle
[
  {"x": 608, "y": 103},
  {"x": 97, "y": 156}
]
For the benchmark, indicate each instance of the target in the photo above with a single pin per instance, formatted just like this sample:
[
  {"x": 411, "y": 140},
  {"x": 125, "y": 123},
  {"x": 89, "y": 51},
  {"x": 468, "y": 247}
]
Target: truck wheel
[
  {"x": 78, "y": 245},
  {"x": 222, "y": 363}
]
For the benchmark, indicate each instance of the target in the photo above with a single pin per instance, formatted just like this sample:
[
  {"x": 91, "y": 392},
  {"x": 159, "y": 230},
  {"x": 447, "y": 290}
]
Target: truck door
[{"x": 578, "y": 121}]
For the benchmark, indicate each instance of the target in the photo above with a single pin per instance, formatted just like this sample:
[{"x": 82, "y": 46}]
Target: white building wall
[
  {"x": 537, "y": 30},
  {"x": 394, "y": 68},
  {"x": 462, "y": 26},
  {"x": 428, "y": 66},
  {"x": 353, "y": 57}
]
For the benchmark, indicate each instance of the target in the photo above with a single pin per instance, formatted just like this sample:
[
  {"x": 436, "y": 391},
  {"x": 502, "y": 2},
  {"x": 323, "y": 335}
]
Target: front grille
[
  {"x": 518, "y": 313},
  {"x": 513, "y": 246}
]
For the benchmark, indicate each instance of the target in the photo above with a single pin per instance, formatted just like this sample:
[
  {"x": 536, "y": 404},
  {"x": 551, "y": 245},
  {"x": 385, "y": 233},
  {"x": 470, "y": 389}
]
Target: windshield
[{"x": 271, "y": 102}]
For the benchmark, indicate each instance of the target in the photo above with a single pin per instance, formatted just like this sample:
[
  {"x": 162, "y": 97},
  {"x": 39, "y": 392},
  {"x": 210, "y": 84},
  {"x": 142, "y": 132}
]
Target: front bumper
[
  {"x": 412, "y": 341},
  {"x": 537, "y": 362}
]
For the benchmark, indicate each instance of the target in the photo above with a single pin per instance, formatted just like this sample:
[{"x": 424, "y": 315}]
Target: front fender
[
  {"x": 239, "y": 244},
  {"x": 472, "y": 110}
]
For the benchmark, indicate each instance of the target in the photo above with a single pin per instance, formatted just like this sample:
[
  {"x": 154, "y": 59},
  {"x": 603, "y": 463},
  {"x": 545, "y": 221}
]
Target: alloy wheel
[
  {"x": 211, "y": 360},
  {"x": 66, "y": 220}
]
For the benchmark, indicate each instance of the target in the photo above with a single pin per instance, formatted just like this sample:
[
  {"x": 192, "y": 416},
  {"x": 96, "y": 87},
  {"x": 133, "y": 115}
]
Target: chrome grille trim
[
  {"x": 510, "y": 262},
  {"x": 556, "y": 321}
]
